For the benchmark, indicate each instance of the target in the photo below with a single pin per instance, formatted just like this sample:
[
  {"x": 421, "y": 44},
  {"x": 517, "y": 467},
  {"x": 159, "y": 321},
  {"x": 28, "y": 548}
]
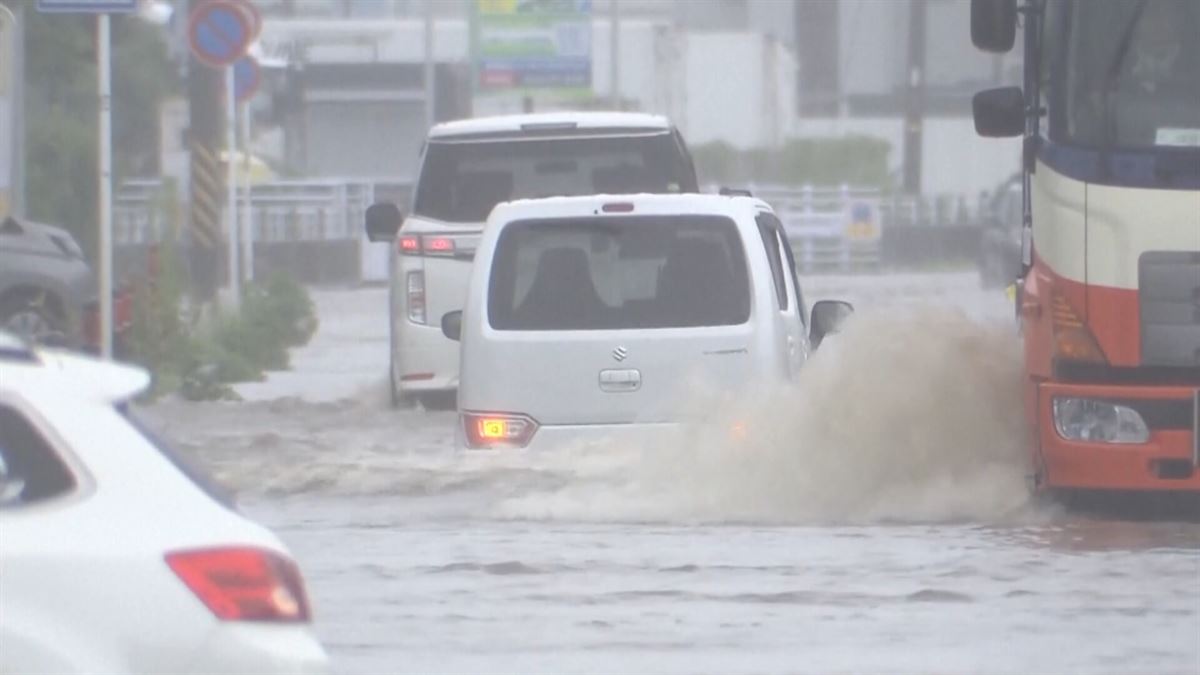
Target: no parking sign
[{"x": 219, "y": 32}]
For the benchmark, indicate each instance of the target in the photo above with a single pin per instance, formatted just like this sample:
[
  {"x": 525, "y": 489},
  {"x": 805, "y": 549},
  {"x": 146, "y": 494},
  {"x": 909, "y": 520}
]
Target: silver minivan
[
  {"x": 600, "y": 317},
  {"x": 469, "y": 166}
]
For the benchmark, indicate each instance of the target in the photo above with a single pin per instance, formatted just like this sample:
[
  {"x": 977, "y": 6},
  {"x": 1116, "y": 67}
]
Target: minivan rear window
[
  {"x": 618, "y": 273},
  {"x": 462, "y": 180}
]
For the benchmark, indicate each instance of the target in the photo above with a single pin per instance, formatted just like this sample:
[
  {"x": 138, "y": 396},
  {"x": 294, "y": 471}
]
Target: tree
[{"x": 61, "y": 112}]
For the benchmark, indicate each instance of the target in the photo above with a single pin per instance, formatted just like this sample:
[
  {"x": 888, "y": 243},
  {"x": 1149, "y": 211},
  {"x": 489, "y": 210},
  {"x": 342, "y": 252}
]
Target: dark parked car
[
  {"x": 1000, "y": 241},
  {"x": 47, "y": 290}
]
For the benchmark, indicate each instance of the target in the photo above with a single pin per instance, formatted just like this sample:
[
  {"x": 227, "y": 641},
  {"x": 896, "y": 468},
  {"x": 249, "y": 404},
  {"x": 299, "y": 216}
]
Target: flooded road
[{"x": 875, "y": 520}]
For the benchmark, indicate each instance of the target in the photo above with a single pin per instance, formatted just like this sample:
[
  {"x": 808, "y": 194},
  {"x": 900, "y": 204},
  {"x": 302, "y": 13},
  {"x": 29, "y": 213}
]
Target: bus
[{"x": 1108, "y": 295}]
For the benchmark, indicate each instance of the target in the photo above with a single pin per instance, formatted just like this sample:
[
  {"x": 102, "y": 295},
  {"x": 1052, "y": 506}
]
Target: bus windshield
[{"x": 1133, "y": 74}]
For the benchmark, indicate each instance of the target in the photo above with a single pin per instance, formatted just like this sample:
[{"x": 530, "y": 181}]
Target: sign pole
[
  {"x": 104, "y": 77},
  {"x": 247, "y": 212},
  {"x": 235, "y": 272}
]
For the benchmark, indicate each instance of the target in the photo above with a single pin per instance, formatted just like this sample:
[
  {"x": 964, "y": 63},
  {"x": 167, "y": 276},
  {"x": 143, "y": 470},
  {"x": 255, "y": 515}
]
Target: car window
[
  {"x": 30, "y": 469},
  {"x": 616, "y": 273},
  {"x": 790, "y": 255},
  {"x": 461, "y": 181},
  {"x": 770, "y": 242}
]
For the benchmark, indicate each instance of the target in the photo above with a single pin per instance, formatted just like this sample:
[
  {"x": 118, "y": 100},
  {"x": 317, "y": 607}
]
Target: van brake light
[
  {"x": 498, "y": 430},
  {"x": 409, "y": 245},
  {"x": 438, "y": 246},
  {"x": 243, "y": 584}
]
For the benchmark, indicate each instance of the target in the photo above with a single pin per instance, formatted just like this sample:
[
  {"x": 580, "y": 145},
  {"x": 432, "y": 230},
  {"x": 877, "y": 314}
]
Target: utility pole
[
  {"x": 205, "y": 182},
  {"x": 430, "y": 89},
  {"x": 18, "y": 101},
  {"x": 104, "y": 87},
  {"x": 914, "y": 98}
]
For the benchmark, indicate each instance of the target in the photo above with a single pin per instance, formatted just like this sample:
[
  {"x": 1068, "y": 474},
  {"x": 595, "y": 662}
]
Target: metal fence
[{"x": 313, "y": 229}]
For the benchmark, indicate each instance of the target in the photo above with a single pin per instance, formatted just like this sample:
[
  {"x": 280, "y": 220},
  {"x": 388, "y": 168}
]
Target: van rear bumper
[{"x": 598, "y": 437}]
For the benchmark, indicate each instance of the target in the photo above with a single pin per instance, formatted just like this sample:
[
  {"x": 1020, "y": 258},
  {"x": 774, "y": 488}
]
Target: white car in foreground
[{"x": 115, "y": 556}]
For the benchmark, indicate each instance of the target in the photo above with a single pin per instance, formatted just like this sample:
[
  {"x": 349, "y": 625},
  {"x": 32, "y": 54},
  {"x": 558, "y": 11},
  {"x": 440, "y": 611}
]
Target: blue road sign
[
  {"x": 218, "y": 33},
  {"x": 87, "y": 6}
]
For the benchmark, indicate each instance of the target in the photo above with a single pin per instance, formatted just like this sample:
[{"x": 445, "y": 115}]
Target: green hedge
[{"x": 853, "y": 160}]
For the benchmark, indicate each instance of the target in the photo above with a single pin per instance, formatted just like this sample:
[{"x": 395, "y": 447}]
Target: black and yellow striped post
[{"x": 206, "y": 184}]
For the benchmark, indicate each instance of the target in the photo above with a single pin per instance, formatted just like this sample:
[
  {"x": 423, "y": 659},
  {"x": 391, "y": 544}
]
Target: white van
[
  {"x": 589, "y": 316},
  {"x": 469, "y": 166}
]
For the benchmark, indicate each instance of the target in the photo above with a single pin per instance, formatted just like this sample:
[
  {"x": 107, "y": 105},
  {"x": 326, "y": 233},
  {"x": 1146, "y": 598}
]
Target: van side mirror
[
  {"x": 383, "y": 221},
  {"x": 999, "y": 113},
  {"x": 452, "y": 325},
  {"x": 994, "y": 24},
  {"x": 827, "y": 319}
]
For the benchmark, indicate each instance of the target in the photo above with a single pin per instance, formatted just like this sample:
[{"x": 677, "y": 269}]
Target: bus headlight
[{"x": 1083, "y": 419}]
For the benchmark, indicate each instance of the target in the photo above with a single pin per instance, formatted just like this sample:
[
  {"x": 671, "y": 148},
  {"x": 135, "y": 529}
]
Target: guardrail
[
  {"x": 849, "y": 229},
  {"x": 311, "y": 228},
  {"x": 831, "y": 229}
]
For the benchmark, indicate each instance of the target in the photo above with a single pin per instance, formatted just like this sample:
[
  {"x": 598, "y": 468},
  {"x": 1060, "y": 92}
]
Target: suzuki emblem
[{"x": 620, "y": 354}]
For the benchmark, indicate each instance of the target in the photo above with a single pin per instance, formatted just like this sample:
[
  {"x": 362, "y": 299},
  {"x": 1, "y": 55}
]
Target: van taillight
[
  {"x": 414, "y": 284},
  {"x": 409, "y": 245},
  {"x": 243, "y": 584},
  {"x": 438, "y": 246},
  {"x": 498, "y": 430},
  {"x": 418, "y": 246}
]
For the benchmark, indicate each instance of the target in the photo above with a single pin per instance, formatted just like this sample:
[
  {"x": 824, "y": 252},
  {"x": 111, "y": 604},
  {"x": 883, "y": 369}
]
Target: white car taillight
[
  {"x": 498, "y": 430},
  {"x": 243, "y": 584},
  {"x": 1088, "y": 420},
  {"x": 414, "y": 284}
]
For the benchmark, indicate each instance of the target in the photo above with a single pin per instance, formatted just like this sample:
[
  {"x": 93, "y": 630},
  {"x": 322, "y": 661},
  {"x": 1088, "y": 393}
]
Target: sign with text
[{"x": 533, "y": 44}]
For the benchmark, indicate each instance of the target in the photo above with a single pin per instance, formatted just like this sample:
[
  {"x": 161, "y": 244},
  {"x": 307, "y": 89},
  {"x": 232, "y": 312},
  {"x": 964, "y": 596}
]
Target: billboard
[{"x": 533, "y": 44}]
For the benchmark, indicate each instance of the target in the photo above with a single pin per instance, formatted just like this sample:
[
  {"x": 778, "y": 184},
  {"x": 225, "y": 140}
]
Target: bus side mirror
[
  {"x": 994, "y": 24},
  {"x": 383, "y": 221},
  {"x": 999, "y": 113}
]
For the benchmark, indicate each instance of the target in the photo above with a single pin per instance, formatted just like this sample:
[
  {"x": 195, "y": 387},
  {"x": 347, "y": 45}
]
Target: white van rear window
[
  {"x": 462, "y": 180},
  {"x": 619, "y": 273}
]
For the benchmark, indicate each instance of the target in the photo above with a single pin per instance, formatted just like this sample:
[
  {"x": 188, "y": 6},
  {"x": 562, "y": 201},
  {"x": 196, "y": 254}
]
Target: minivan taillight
[
  {"x": 498, "y": 430},
  {"x": 243, "y": 584},
  {"x": 409, "y": 245},
  {"x": 414, "y": 284}
]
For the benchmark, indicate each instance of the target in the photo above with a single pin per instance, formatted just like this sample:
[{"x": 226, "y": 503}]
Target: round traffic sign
[
  {"x": 219, "y": 33},
  {"x": 246, "y": 78},
  {"x": 252, "y": 15}
]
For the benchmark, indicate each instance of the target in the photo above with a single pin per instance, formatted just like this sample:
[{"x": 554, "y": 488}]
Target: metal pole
[
  {"x": 614, "y": 51},
  {"x": 247, "y": 210},
  {"x": 104, "y": 80},
  {"x": 430, "y": 91},
  {"x": 914, "y": 99},
  {"x": 235, "y": 272},
  {"x": 8, "y": 140},
  {"x": 17, "y": 184}
]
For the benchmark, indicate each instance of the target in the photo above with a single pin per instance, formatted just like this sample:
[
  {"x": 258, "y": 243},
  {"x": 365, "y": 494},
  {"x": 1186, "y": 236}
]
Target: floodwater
[{"x": 875, "y": 520}]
